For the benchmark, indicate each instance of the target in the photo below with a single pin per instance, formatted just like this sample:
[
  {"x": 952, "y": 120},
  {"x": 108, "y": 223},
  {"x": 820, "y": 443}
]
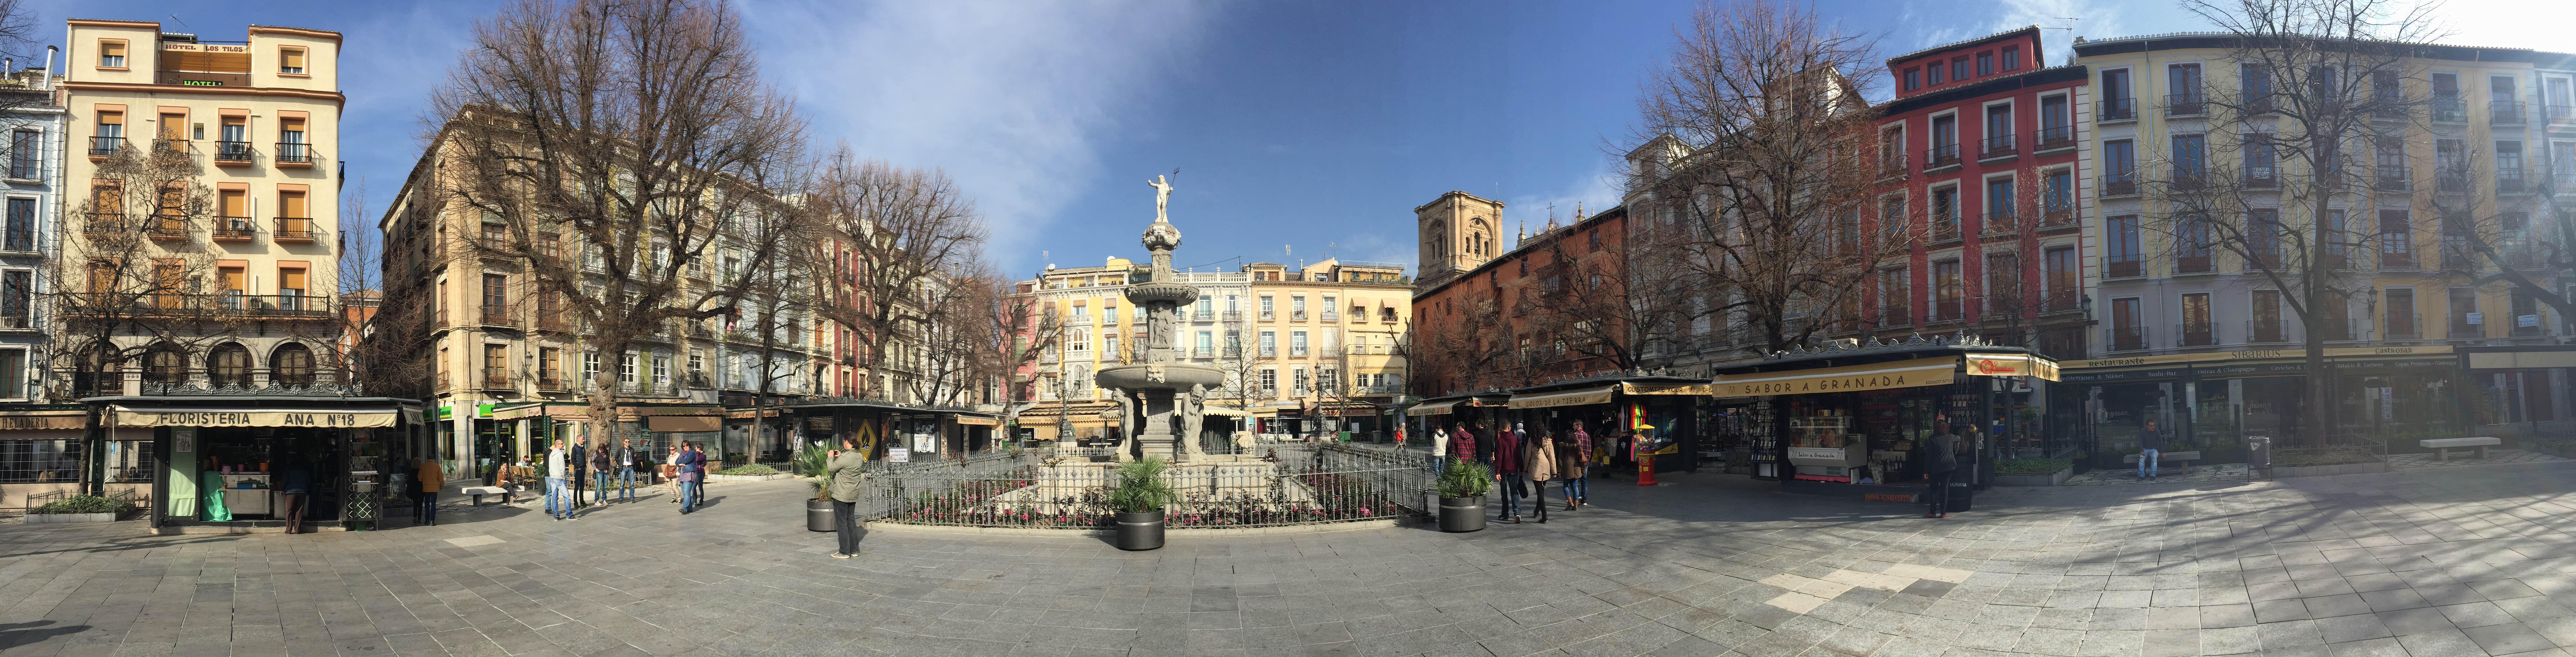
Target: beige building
[
  {"x": 242, "y": 138},
  {"x": 1324, "y": 336}
]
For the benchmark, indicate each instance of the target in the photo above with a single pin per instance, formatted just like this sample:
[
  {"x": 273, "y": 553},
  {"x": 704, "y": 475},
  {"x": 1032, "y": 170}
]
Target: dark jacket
[
  {"x": 693, "y": 466},
  {"x": 2151, "y": 439},
  {"x": 579, "y": 460},
  {"x": 1507, "y": 452},
  {"x": 1941, "y": 453},
  {"x": 294, "y": 478},
  {"x": 600, "y": 461}
]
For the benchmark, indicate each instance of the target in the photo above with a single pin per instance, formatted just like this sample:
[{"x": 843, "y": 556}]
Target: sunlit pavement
[{"x": 2453, "y": 561}]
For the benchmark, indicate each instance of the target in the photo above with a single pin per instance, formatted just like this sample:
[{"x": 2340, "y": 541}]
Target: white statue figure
[
  {"x": 1193, "y": 412},
  {"x": 1162, "y": 197}
]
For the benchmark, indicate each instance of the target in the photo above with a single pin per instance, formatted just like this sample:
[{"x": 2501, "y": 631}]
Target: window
[
  {"x": 2465, "y": 320},
  {"x": 2115, "y": 96},
  {"x": 2128, "y": 332},
  {"x": 1300, "y": 374},
  {"x": 661, "y": 370},
  {"x": 589, "y": 367},
  {"x": 1945, "y": 290},
  {"x": 626, "y": 368},
  {"x": 1945, "y": 213},
  {"x": 1985, "y": 63},
  {"x": 1081, "y": 340},
  {"x": 1959, "y": 68},
  {"x": 496, "y": 296},
  {"x": 1296, "y": 343},
  {"x": 111, "y": 53},
  {"x": 17, "y": 299},
  {"x": 2396, "y": 232},
  {"x": 1265, "y": 306},
  {"x": 1913, "y": 79},
  {"x": 291, "y": 146},
  {"x": 549, "y": 366},
  {"x": 1932, "y": 73},
  {"x": 2500, "y": 89},
  {"x": 2062, "y": 271},
  {"x": 26, "y": 151},
  {"x": 2056, "y": 126},
  {"x": 110, "y": 134},
  {"x": 2266, "y": 311},
  {"x": 1894, "y": 298},
  {"x": 2190, "y": 160},
  {"x": 2122, "y": 254},
  {"x": 1108, "y": 346},
  {"x": 1207, "y": 343},
  {"x": 21, "y": 235},
  {"x": 2263, "y": 233},
  {"x": 291, "y": 365},
  {"x": 2254, "y": 82},
  {"x": 2192, "y": 246},
  {"x": 2003, "y": 284},
  {"x": 1945, "y": 140},
  {"x": 2338, "y": 240},
  {"x": 1270, "y": 381},
  {"x": 2400, "y": 314},
  {"x": 1269, "y": 343},
  {"x": 1999, "y": 130},
  {"x": 2057, "y": 194},
  {"x": 1999, "y": 204},
  {"x": 2508, "y": 165},
  {"x": 496, "y": 364},
  {"x": 2012, "y": 58},
  {"x": 290, "y": 60},
  {"x": 1297, "y": 304}
]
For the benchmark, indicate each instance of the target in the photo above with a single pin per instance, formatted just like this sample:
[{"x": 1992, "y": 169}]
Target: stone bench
[
  {"x": 2162, "y": 457},
  {"x": 2442, "y": 446},
  {"x": 478, "y": 492}
]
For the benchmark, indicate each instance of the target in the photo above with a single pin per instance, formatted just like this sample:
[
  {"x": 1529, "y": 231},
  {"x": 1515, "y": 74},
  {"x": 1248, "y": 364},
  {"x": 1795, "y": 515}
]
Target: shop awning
[
  {"x": 1635, "y": 388},
  {"x": 684, "y": 423},
  {"x": 2515, "y": 360},
  {"x": 1433, "y": 408},
  {"x": 1875, "y": 376},
  {"x": 1577, "y": 397},
  {"x": 42, "y": 420},
  {"x": 2012, "y": 365},
  {"x": 263, "y": 417},
  {"x": 1221, "y": 411}
]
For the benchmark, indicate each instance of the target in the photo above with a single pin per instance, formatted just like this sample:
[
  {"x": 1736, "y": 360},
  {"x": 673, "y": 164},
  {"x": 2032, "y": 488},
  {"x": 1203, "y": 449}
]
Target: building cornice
[
  {"x": 298, "y": 31},
  {"x": 335, "y": 97}
]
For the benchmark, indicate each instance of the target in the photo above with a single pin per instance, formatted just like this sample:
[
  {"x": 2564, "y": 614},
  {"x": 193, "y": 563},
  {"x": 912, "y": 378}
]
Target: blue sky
[{"x": 1308, "y": 125}]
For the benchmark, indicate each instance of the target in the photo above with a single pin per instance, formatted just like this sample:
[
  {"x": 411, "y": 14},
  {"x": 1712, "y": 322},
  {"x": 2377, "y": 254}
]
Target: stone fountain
[{"x": 1161, "y": 401}]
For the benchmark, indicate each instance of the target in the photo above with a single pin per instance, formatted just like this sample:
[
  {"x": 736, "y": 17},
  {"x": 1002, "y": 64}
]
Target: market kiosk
[{"x": 1852, "y": 417}]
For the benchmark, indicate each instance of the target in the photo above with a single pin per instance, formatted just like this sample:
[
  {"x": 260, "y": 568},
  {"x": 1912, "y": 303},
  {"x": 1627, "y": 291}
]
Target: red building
[
  {"x": 1979, "y": 155},
  {"x": 1486, "y": 318}
]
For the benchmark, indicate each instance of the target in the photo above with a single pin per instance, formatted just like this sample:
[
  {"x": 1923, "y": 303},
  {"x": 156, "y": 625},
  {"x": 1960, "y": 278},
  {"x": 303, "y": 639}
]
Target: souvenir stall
[
  {"x": 1666, "y": 412},
  {"x": 1853, "y": 418}
]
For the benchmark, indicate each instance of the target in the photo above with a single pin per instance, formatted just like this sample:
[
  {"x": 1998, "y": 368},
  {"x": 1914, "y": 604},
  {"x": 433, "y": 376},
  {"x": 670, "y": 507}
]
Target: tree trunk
[{"x": 2313, "y": 433}]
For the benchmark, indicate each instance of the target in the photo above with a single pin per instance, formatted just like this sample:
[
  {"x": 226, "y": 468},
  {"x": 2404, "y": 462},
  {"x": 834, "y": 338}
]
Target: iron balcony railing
[
  {"x": 2118, "y": 109},
  {"x": 2510, "y": 181},
  {"x": 2393, "y": 180},
  {"x": 293, "y": 229},
  {"x": 1948, "y": 310},
  {"x": 2195, "y": 335},
  {"x": 2123, "y": 265},
  {"x": 2053, "y": 138},
  {"x": 2132, "y": 338},
  {"x": 2200, "y": 263},
  {"x": 2449, "y": 183},
  {"x": 2505, "y": 112},
  {"x": 294, "y": 152},
  {"x": 496, "y": 377},
  {"x": 500, "y": 315},
  {"x": 2450, "y": 109},
  {"x": 1296, "y": 315},
  {"x": 2462, "y": 329},
  {"x": 1944, "y": 155},
  {"x": 2261, "y": 178},
  {"x": 1890, "y": 165},
  {"x": 230, "y": 228},
  {"x": 1331, "y": 316},
  {"x": 232, "y": 152},
  {"x": 2000, "y": 221},
  {"x": 2404, "y": 326},
  {"x": 1893, "y": 316},
  {"x": 2120, "y": 184},
  {"x": 2191, "y": 104},
  {"x": 105, "y": 145},
  {"x": 2269, "y": 331},
  {"x": 1997, "y": 146}
]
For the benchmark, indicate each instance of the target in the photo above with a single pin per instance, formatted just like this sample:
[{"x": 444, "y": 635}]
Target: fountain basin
[{"x": 1176, "y": 376}]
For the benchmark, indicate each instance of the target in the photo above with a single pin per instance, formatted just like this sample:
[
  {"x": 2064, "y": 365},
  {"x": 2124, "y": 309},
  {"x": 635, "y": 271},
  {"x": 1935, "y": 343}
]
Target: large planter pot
[
  {"x": 46, "y": 518},
  {"x": 1140, "y": 531},
  {"x": 2330, "y": 470},
  {"x": 2050, "y": 479},
  {"x": 818, "y": 516},
  {"x": 1462, "y": 514}
]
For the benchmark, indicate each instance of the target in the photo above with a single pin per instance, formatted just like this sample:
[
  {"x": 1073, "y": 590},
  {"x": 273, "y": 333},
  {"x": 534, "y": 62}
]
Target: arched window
[
  {"x": 165, "y": 364},
  {"x": 1439, "y": 238},
  {"x": 228, "y": 365},
  {"x": 1476, "y": 238},
  {"x": 98, "y": 374},
  {"x": 292, "y": 364}
]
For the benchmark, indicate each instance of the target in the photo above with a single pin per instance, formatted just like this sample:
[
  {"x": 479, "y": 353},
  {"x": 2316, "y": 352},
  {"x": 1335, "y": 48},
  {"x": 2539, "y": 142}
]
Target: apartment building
[
  {"x": 1326, "y": 345},
  {"x": 31, "y": 186},
  {"x": 2420, "y": 332}
]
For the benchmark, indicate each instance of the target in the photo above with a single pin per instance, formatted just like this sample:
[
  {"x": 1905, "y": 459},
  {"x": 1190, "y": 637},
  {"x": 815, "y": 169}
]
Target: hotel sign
[{"x": 234, "y": 48}]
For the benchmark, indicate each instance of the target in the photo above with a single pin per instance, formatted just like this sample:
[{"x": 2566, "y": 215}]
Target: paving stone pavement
[{"x": 2430, "y": 563}]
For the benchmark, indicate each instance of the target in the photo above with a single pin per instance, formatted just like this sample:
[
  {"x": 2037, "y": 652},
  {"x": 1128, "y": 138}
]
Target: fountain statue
[{"x": 1161, "y": 400}]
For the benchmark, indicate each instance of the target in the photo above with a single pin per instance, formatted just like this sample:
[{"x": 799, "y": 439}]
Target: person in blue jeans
[
  {"x": 2151, "y": 443},
  {"x": 558, "y": 502},
  {"x": 626, "y": 470},
  {"x": 693, "y": 468},
  {"x": 600, "y": 474}
]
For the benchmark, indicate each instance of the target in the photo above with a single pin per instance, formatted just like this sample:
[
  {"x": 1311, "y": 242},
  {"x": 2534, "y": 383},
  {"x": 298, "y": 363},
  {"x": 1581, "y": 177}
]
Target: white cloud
[
  {"x": 1012, "y": 99},
  {"x": 1593, "y": 191}
]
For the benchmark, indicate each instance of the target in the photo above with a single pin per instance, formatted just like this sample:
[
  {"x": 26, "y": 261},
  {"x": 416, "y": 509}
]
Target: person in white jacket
[
  {"x": 1439, "y": 451},
  {"x": 557, "y": 504}
]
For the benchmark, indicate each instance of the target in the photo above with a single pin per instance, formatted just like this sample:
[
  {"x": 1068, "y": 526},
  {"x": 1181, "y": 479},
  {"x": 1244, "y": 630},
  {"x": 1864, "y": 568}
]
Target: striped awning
[{"x": 1577, "y": 397}]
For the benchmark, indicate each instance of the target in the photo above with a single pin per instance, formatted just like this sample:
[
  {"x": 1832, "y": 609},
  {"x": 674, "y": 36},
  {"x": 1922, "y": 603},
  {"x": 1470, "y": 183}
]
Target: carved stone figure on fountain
[{"x": 1193, "y": 413}]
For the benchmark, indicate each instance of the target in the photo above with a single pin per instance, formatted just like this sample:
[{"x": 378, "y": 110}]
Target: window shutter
[
  {"x": 294, "y": 59},
  {"x": 291, "y": 205},
  {"x": 292, "y": 279}
]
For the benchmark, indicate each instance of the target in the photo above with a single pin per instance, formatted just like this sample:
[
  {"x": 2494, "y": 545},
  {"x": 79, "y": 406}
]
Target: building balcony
[
  {"x": 496, "y": 378},
  {"x": 2195, "y": 335},
  {"x": 1890, "y": 316},
  {"x": 2261, "y": 178},
  {"x": 235, "y": 229},
  {"x": 2269, "y": 331},
  {"x": 1331, "y": 316},
  {"x": 2000, "y": 222},
  {"x": 2118, "y": 185},
  {"x": 2393, "y": 181},
  {"x": 105, "y": 146},
  {"x": 2396, "y": 260},
  {"x": 2450, "y": 109},
  {"x": 1269, "y": 352},
  {"x": 293, "y": 229},
  {"x": 2123, "y": 265},
  {"x": 294, "y": 154},
  {"x": 2191, "y": 104},
  {"x": 2448, "y": 183},
  {"x": 1948, "y": 310},
  {"x": 1296, "y": 315},
  {"x": 2462, "y": 330},
  {"x": 1940, "y": 157},
  {"x": 1890, "y": 166},
  {"x": 2506, "y": 112},
  {"x": 2190, "y": 179},
  {"x": 2057, "y": 215},
  {"x": 1999, "y": 146},
  {"x": 167, "y": 228},
  {"x": 2195, "y": 264},
  {"x": 551, "y": 382},
  {"x": 2561, "y": 114},
  {"x": 552, "y": 321},
  {"x": 2511, "y": 181},
  {"x": 2050, "y": 139},
  {"x": 2402, "y": 326},
  {"x": 1268, "y": 316},
  {"x": 1945, "y": 228},
  {"x": 501, "y": 315},
  {"x": 254, "y": 306},
  {"x": 1232, "y": 316},
  {"x": 171, "y": 146},
  {"x": 1203, "y": 316},
  {"x": 2117, "y": 109},
  {"x": 2132, "y": 338}
]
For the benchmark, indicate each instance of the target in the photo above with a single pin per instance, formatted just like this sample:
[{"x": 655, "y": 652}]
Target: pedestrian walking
[
  {"x": 845, "y": 469},
  {"x": 427, "y": 478},
  {"x": 693, "y": 469},
  {"x": 1462, "y": 442},
  {"x": 1507, "y": 472},
  {"x": 2151, "y": 444},
  {"x": 294, "y": 485},
  {"x": 626, "y": 470},
  {"x": 557, "y": 505},
  {"x": 1940, "y": 458},
  {"x": 599, "y": 474},
  {"x": 1439, "y": 451},
  {"x": 1538, "y": 463},
  {"x": 671, "y": 472},
  {"x": 579, "y": 460},
  {"x": 1574, "y": 462}
]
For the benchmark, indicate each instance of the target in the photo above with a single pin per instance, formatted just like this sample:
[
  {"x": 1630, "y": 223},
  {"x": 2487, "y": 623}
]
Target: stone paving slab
[{"x": 2436, "y": 562}]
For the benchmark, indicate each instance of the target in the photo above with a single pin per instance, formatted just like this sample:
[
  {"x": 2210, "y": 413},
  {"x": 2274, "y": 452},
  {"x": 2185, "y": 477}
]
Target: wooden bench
[
  {"x": 2185, "y": 458},
  {"x": 478, "y": 492},
  {"x": 2442, "y": 446}
]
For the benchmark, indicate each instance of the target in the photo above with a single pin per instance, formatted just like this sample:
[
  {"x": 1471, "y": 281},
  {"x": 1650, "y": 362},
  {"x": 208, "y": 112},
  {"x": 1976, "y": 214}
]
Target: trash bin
[{"x": 2258, "y": 452}]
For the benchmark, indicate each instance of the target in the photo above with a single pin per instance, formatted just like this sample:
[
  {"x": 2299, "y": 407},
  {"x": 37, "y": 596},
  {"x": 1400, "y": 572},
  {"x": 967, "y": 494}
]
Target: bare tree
[
  {"x": 2320, "y": 87},
  {"x": 1013, "y": 332},
  {"x": 898, "y": 232},
  {"x": 1748, "y": 161},
  {"x": 619, "y": 148},
  {"x": 1469, "y": 347},
  {"x": 1580, "y": 308},
  {"x": 2519, "y": 238}
]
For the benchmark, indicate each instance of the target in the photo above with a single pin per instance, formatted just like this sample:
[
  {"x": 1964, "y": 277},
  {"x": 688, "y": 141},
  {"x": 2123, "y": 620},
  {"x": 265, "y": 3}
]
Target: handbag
[{"x": 1520, "y": 487}]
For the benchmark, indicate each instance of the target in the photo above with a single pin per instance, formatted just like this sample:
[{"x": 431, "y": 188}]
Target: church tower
[{"x": 1459, "y": 231}]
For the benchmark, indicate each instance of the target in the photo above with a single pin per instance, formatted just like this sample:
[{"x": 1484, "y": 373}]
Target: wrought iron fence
[{"x": 1287, "y": 485}]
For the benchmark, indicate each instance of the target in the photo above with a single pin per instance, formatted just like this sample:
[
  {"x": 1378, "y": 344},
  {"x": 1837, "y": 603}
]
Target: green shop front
[
  {"x": 1853, "y": 419},
  {"x": 222, "y": 455}
]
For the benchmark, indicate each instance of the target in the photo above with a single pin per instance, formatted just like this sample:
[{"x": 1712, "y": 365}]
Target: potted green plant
[
  {"x": 811, "y": 463},
  {"x": 1139, "y": 498},
  {"x": 1462, "y": 496},
  {"x": 77, "y": 508}
]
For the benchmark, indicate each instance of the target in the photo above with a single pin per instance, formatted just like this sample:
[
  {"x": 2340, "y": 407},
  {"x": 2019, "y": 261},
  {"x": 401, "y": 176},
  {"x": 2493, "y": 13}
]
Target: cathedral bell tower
[{"x": 1459, "y": 231}]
